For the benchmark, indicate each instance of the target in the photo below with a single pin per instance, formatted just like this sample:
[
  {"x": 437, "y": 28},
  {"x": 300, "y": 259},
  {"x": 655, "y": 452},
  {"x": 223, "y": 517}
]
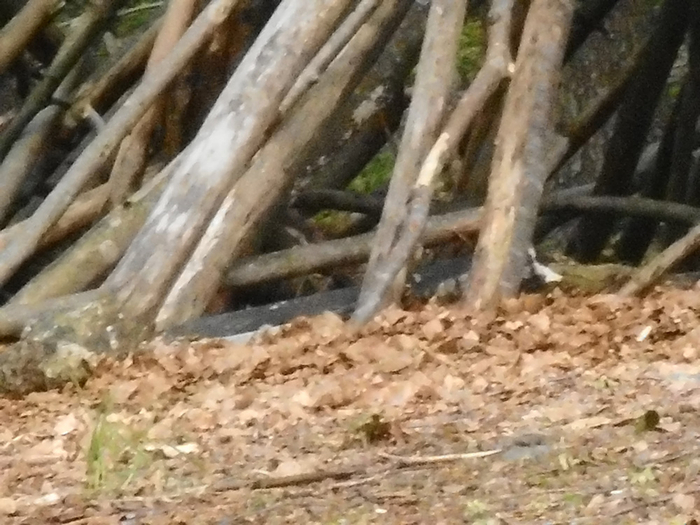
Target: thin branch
[
  {"x": 497, "y": 67},
  {"x": 433, "y": 79}
]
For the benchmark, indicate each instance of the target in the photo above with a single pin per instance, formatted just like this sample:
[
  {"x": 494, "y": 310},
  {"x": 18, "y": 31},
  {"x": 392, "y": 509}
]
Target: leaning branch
[
  {"x": 646, "y": 276},
  {"x": 431, "y": 90},
  {"x": 22, "y": 245}
]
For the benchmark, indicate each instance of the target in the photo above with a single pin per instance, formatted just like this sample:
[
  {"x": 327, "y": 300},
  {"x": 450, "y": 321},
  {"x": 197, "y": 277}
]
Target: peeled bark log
[
  {"x": 98, "y": 251},
  {"x": 214, "y": 161},
  {"x": 302, "y": 260},
  {"x": 131, "y": 157},
  {"x": 485, "y": 84},
  {"x": 328, "y": 52},
  {"x": 520, "y": 161}
]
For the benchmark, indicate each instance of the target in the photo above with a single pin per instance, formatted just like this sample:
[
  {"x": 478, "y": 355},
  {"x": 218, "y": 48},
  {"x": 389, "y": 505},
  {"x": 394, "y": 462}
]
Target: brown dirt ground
[{"x": 586, "y": 409}]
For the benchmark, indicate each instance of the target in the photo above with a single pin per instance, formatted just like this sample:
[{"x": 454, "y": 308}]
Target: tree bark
[
  {"x": 371, "y": 114},
  {"x": 646, "y": 276},
  {"x": 95, "y": 156},
  {"x": 130, "y": 162},
  {"x": 214, "y": 161},
  {"x": 269, "y": 174},
  {"x": 95, "y": 254},
  {"x": 633, "y": 120},
  {"x": 302, "y": 260},
  {"x": 520, "y": 161},
  {"x": 434, "y": 77},
  {"x": 487, "y": 81},
  {"x": 15, "y": 36}
]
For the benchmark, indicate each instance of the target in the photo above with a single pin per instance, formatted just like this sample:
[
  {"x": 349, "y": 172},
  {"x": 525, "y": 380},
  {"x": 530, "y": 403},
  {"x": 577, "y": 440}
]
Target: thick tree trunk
[
  {"x": 230, "y": 136},
  {"x": 520, "y": 161}
]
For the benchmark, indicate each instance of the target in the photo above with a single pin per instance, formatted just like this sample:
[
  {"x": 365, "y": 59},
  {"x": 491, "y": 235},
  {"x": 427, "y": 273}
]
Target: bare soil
[{"x": 558, "y": 410}]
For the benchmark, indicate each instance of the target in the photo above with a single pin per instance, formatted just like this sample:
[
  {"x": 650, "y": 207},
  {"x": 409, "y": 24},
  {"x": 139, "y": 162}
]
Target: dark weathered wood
[
  {"x": 363, "y": 125},
  {"x": 646, "y": 276},
  {"x": 312, "y": 201},
  {"x": 589, "y": 17},
  {"x": 640, "y": 231},
  {"x": 496, "y": 68},
  {"x": 423, "y": 284},
  {"x": 633, "y": 120},
  {"x": 625, "y": 206},
  {"x": 521, "y": 157}
]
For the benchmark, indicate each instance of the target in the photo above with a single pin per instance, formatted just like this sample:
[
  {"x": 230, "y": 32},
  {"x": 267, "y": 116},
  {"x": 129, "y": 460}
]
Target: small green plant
[
  {"x": 475, "y": 509},
  {"x": 472, "y": 48},
  {"x": 134, "y": 16},
  {"x": 574, "y": 499},
  {"x": 114, "y": 455},
  {"x": 643, "y": 477},
  {"x": 375, "y": 173},
  {"x": 331, "y": 221}
]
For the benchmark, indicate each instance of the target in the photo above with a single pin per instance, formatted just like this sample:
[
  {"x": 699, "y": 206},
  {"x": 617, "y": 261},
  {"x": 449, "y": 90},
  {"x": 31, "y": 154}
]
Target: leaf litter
[{"x": 556, "y": 410}]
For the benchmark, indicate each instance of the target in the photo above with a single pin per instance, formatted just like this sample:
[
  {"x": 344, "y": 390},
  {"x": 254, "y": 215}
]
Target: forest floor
[{"x": 560, "y": 410}]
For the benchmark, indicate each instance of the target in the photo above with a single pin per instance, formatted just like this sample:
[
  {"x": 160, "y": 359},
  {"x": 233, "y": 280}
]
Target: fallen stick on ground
[
  {"x": 443, "y": 458},
  {"x": 306, "y": 478}
]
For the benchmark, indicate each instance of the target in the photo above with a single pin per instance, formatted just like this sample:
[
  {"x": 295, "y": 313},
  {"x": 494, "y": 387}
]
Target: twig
[
  {"x": 287, "y": 481},
  {"x": 444, "y": 458},
  {"x": 345, "y": 474}
]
